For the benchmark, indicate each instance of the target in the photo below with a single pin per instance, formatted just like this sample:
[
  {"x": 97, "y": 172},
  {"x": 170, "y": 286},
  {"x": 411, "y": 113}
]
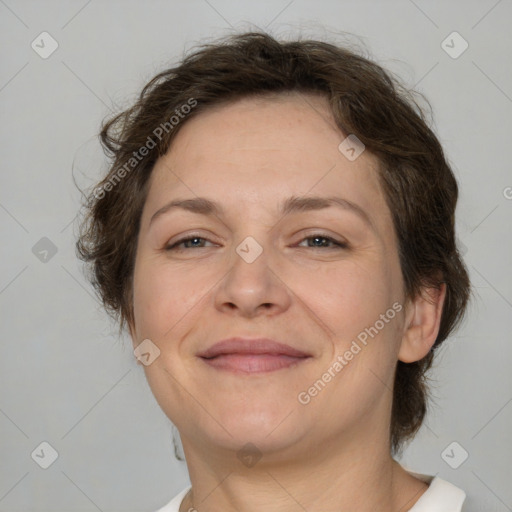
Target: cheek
[
  {"x": 164, "y": 295},
  {"x": 350, "y": 300},
  {"x": 347, "y": 297}
]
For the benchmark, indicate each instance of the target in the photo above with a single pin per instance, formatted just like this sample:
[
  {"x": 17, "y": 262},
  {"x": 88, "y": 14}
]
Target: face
[{"x": 313, "y": 276}]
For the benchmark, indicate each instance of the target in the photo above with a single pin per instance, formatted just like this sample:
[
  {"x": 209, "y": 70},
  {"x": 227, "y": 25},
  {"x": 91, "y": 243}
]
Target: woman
[{"x": 276, "y": 232}]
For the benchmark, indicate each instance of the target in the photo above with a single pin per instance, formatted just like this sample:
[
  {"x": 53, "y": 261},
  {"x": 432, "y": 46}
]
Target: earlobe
[{"x": 423, "y": 320}]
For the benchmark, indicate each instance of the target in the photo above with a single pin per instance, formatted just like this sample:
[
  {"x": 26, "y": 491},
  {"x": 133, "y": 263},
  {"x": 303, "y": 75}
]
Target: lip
[{"x": 254, "y": 355}]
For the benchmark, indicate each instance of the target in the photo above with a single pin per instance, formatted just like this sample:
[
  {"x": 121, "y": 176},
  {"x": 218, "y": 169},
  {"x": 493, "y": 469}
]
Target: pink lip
[{"x": 252, "y": 355}]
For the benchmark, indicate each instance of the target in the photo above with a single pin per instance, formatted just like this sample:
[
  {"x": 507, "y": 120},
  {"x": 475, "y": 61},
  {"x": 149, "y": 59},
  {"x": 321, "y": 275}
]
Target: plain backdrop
[{"x": 66, "y": 379}]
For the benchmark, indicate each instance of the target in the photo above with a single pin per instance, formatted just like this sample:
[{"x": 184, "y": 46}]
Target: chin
[
  {"x": 268, "y": 428},
  {"x": 229, "y": 427},
  {"x": 252, "y": 438}
]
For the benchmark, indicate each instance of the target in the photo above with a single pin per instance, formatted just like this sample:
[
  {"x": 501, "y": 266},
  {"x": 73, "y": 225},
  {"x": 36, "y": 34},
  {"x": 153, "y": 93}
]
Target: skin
[{"x": 333, "y": 453}]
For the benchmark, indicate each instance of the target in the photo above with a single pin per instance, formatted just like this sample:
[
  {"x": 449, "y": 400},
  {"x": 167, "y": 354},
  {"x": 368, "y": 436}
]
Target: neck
[{"x": 325, "y": 477}]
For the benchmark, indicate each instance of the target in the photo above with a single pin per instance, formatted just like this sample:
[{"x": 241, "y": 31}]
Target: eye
[
  {"x": 192, "y": 241},
  {"x": 321, "y": 241}
]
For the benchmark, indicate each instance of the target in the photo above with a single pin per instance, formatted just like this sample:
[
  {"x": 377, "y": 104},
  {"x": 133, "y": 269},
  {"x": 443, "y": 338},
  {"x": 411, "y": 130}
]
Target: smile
[{"x": 253, "y": 363}]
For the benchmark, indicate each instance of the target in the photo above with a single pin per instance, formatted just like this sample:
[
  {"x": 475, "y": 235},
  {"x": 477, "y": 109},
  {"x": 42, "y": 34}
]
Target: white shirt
[{"x": 441, "y": 496}]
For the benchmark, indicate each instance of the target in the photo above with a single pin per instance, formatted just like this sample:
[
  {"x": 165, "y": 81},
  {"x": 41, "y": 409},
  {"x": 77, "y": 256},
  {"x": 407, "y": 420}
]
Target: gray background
[{"x": 65, "y": 377}]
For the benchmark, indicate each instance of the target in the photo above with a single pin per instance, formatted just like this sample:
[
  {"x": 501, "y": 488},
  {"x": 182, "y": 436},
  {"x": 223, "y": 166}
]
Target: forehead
[{"x": 259, "y": 151}]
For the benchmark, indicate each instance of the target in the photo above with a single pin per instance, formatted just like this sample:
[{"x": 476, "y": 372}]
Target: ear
[{"x": 423, "y": 319}]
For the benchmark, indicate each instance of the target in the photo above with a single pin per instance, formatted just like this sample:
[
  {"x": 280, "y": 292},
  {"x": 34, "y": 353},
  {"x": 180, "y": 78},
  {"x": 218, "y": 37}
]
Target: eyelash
[{"x": 337, "y": 245}]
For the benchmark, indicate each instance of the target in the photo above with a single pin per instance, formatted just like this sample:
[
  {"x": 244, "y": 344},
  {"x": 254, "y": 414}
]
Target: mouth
[{"x": 242, "y": 355}]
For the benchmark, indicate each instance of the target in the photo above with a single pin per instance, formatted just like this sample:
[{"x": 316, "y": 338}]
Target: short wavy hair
[{"x": 366, "y": 100}]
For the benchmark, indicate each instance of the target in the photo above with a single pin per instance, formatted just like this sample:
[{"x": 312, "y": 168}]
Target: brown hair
[{"x": 366, "y": 101}]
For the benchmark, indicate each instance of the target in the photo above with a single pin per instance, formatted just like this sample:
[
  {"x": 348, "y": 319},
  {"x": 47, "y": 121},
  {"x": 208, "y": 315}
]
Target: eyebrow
[{"x": 294, "y": 204}]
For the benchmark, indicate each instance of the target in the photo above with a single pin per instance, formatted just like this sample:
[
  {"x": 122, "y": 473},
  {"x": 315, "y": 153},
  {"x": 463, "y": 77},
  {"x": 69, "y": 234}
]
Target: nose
[{"x": 252, "y": 288}]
